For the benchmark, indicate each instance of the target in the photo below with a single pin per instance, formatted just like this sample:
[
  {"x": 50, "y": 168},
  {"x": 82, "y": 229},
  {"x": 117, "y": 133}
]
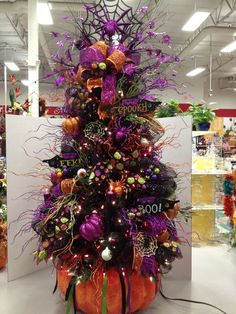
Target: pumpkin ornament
[
  {"x": 92, "y": 228},
  {"x": 104, "y": 222},
  {"x": 71, "y": 125},
  {"x": 69, "y": 186}
]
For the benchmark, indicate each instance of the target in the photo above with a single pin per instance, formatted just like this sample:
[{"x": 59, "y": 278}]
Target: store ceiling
[{"x": 13, "y": 32}]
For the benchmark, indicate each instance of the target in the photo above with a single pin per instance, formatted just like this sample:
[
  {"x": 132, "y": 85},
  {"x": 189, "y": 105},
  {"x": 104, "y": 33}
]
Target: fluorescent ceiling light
[
  {"x": 25, "y": 82},
  {"x": 196, "y": 71},
  {"x": 195, "y": 21},
  {"x": 229, "y": 48},
  {"x": 12, "y": 66},
  {"x": 44, "y": 13}
]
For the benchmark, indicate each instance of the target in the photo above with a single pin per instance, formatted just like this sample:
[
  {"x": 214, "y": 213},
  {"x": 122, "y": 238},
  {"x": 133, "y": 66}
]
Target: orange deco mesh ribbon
[
  {"x": 117, "y": 59},
  {"x": 107, "y": 82}
]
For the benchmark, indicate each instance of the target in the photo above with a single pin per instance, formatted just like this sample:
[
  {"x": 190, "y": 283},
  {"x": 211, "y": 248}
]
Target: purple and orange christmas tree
[{"x": 107, "y": 221}]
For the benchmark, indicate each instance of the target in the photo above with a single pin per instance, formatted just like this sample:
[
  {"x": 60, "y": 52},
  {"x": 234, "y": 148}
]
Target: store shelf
[
  {"x": 201, "y": 133},
  {"x": 211, "y": 172},
  {"x": 208, "y": 207}
]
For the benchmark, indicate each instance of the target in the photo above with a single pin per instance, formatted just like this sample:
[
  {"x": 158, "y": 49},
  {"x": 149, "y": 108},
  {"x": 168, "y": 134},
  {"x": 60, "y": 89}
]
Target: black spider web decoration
[{"x": 97, "y": 17}]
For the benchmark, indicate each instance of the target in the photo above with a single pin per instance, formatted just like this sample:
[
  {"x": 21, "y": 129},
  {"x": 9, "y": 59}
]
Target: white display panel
[
  {"x": 27, "y": 139},
  {"x": 178, "y": 154},
  {"x": 26, "y": 142}
]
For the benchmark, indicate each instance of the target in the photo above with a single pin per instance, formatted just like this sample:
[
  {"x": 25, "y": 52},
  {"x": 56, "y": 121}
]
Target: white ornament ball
[
  {"x": 106, "y": 254},
  {"x": 81, "y": 173},
  {"x": 144, "y": 142}
]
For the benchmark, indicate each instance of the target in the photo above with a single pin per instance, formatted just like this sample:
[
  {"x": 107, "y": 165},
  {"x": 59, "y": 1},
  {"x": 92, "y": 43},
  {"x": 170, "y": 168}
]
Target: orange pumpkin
[
  {"x": 71, "y": 125},
  {"x": 3, "y": 256},
  {"x": 68, "y": 186},
  {"x": 89, "y": 296},
  {"x": 3, "y": 244}
]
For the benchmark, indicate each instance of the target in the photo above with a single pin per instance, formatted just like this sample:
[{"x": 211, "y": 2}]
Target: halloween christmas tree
[{"x": 107, "y": 221}]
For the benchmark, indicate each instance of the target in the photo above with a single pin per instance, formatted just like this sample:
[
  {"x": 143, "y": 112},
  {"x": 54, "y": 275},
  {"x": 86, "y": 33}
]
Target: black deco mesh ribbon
[
  {"x": 128, "y": 293},
  {"x": 56, "y": 285},
  {"x": 123, "y": 292}
]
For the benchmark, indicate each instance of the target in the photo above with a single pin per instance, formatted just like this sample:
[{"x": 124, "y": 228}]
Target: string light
[{"x": 46, "y": 190}]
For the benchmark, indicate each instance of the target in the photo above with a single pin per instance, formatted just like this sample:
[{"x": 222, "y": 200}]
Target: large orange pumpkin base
[{"x": 89, "y": 295}]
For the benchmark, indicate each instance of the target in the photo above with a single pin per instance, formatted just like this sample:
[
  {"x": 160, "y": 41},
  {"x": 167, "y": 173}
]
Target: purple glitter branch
[{"x": 108, "y": 25}]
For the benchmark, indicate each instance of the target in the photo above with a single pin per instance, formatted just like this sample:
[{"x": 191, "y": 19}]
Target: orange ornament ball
[{"x": 89, "y": 296}]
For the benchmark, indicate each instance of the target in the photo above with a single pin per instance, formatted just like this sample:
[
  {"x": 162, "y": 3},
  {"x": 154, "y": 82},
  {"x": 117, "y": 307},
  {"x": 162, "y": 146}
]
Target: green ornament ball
[
  {"x": 130, "y": 180},
  {"x": 42, "y": 255},
  {"x": 117, "y": 155},
  {"x": 120, "y": 166},
  {"x": 135, "y": 154},
  {"x": 141, "y": 180},
  {"x": 102, "y": 66}
]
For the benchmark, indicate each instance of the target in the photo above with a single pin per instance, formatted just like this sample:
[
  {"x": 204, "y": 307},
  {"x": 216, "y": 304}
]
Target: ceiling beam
[
  {"x": 209, "y": 30},
  {"x": 216, "y": 18},
  {"x": 219, "y": 62},
  {"x": 45, "y": 48},
  {"x": 19, "y": 28}
]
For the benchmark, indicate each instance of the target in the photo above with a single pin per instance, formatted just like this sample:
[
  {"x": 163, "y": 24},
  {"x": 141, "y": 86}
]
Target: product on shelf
[
  {"x": 207, "y": 196},
  {"x": 230, "y": 204},
  {"x": 107, "y": 220},
  {"x": 229, "y": 138}
]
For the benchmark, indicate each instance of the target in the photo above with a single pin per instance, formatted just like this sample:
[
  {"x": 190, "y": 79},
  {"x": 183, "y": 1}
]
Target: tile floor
[{"x": 214, "y": 281}]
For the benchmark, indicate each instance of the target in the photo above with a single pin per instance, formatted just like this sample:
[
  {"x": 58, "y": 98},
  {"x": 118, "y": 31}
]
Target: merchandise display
[
  {"x": 107, "y": 221},
  {"x": 207, "y": 175},
  {"x": 229, "y": 138},
  {"x": 230, "y": 204},
  {"x": 209, "y": 167}
]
